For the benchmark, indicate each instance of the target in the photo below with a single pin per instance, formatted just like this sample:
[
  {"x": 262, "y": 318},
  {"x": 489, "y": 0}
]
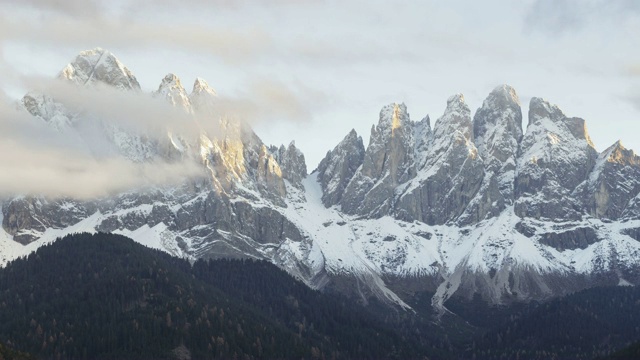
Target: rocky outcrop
[
  {"x": 26, "y": 218},
  {"x": 577, "y": 238},
  {"x": 338, "y": 167}
]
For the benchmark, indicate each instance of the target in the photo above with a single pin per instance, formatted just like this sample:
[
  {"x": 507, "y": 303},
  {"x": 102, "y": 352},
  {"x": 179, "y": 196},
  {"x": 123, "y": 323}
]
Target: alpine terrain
[{"x": 476, "y": 205}]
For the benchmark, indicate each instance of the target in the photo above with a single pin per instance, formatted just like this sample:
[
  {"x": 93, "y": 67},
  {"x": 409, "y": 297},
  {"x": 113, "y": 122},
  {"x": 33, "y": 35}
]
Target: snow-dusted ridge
[{"x": 473, "y": 205}]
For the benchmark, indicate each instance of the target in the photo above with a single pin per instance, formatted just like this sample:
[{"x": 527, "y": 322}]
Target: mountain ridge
[{"x": 473, "y": 205}]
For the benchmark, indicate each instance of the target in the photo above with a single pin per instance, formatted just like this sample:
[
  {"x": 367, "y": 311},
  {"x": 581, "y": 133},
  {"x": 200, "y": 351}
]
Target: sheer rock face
[
  {"x": 388, "y": 162},
  {"x": 450, "y": 173},
  {"x": 498, "y": 131},
  {"x": 338, "y": 167},
  {"x": 613, "y": 184},
  {"x": 556, "y": 155}
]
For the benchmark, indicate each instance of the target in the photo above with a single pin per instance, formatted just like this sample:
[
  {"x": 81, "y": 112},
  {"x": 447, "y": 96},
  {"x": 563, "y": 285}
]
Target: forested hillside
[{"x": 104, "y": 296}]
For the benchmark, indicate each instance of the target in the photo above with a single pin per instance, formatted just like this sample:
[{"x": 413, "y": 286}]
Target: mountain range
[{"x": 473, "y": 205}]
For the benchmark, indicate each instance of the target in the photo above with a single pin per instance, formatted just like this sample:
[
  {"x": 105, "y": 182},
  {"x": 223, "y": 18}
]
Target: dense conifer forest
[
  {"x": 92, "y": 296},
  {"x": 104, "y": 296}
]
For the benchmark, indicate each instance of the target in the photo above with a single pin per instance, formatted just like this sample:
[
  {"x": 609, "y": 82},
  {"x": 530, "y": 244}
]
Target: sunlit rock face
[{"x": 388, "y": 161}]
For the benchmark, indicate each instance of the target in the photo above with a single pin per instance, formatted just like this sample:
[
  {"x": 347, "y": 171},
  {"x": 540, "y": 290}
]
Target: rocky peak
[
  {"x": 201, "y": 86},
  {"x": 292, "y": 163},
  {"x": 540, "y": 109},
  {"x": 388, "y": 162},
  {"x": 541, "y": 113},
  {"x": 613, "y": 183},
  {"x": 449, "y": 172},
  {"x": 555, "y": 156},
  {"x": 389, "y": 149},
  {"x": 455, "y": 120},
  {"x": 171, "y": 89},
  {"x": 338, "y": 167},
  {"x": 202, "y": 96},
  {"x": 47, "y": 109},
  {"x": 99, "y": 66},
  {"x": 497, "y": 127},
  {"x": 392, "y": 118},
  {"x": 619, "y": 154}
]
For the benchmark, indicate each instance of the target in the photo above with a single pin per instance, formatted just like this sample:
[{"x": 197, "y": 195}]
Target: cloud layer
[{"x": 37, "y": 159}]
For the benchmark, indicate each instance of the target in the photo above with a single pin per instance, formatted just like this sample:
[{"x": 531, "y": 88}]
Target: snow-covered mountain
[{"x": 474, "y": 205}]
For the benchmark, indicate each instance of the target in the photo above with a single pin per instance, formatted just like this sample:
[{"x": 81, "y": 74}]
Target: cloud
[
  {"x": 132, "y": 110},
  {"x": 70, "y": 7},
  {"x": 226, "y": 44},
  {"x": 633, "y": 70},
  {"x": 260, "y": 100},
  {"x": 36, "y": 159},
  {"x": 272, "y": 100},
  {"x": 632, "y": 97},
  {"x": 561, "y": 16},
  {"x": 57, "y": 173}
]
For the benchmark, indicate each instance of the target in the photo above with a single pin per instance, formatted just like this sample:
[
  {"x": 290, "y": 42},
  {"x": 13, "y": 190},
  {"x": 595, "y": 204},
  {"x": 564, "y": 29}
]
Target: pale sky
[{"x": 341, "y": 61}]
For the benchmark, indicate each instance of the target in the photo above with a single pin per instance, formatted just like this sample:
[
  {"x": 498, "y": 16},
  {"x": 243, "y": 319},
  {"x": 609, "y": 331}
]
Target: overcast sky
[{"x": 341, "y": 61}]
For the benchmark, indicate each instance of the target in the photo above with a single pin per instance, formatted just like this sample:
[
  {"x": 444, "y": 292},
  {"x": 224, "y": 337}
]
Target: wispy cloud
[
  {"x": 272, "y": 100},
  {"x": 36, "y": 159},
  {"x": 633, "y": 70},
  {"x": 560, "y": 16},
  {"x": 69, "y": 7},
  {"x": 57, "y": 173},
  {"x": 31, "y": 150},
  {"x": 226, "y": 44}
]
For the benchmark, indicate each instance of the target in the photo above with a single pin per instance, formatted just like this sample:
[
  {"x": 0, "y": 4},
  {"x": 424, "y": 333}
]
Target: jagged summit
[
  {"x": 497, "y": 127},
  {"x": 473, "y": 205},
  {"x": 99, "y": 65},
  {"x": 172, "y": 90},
  {"x": 392, "y": 116},
  {"x": 456, "y": 118},
  {"x": 618, "y": 153},
  {"x": 203, "y": 96},
  {"x": 171, "y": 80},
  {"x": 200, "y": 85}
]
